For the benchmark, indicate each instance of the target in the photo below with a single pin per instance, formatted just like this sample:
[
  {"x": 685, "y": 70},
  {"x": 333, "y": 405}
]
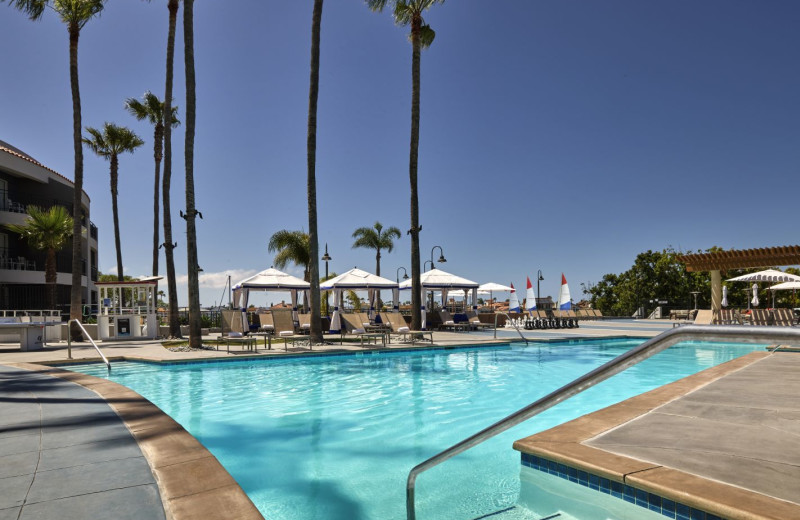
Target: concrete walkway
[{"x": 64, "y": 453}]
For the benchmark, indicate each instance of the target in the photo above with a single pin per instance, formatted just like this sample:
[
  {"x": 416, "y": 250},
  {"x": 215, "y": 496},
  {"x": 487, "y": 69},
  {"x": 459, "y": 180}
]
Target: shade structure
[
  {"x": 785, "y": 286},
  {"x": 770, "y": 275},
  {"x": 357, "y": 280},
  {"x": 438, "y": 280},
  {"x": 488, "y": 288},
  {"x": 269, "y": 280}
]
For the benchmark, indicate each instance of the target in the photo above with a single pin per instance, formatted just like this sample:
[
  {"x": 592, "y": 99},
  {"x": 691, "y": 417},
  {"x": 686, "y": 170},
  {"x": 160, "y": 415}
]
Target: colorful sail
[
  {"x": 513, "y": 301},
  {"x": 564, "y": 300},
  {"x": 530, "y": 297}
]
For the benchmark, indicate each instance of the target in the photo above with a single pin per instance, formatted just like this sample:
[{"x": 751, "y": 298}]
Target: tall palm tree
[
  {"x": 169, "y": 245},
  {"x": 75, "y": 14},
  {"x": 195, "y": 339},
  {"x": 109, "y": 144},
  {"x": 46, "y": 230},
  {"x": 291, "y": 246},
  {"x": 311, "y": 142},
  {"x": 409, "y": 12},
  {"x": 376, "y": 238},
  {"x": 152, "y": 109}
]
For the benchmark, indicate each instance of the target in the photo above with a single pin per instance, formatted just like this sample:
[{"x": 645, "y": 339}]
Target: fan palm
[
  {"x": 409, "y": 12},
  {"x": 152, "y": 109},
  {"x": 75, "y": 14},
  {"x": 169, "y": 245},
  {"x": 376, "y": 238},
  {"x": 311, "y": 147},
  {"x": 291, "y": 247},
  {"x": 49, "y": 231},
  {"x": 195, "y": 339},
  {"x": 109, "y": 144}
]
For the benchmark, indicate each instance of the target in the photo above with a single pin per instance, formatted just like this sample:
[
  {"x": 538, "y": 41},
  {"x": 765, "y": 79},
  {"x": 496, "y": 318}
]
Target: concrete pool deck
[
  {"x": 191, "y": 482},
  {"x": 724, "y": 440}
]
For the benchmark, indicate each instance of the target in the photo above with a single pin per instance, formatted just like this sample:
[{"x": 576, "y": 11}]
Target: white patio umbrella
[
  {"x": 724, "y": 295},
  {"x": 770, "y": 275},
  {"x": 783, "y": 287},
  {"x": 490, "y": 287},
  {"x": 754, "y": 301}
]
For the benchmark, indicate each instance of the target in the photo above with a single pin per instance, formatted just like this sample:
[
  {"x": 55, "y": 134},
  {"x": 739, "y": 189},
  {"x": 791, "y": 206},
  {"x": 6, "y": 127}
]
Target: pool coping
[
  {"x": 191, "y": 481},
  {"x": 563, "y": 444}
]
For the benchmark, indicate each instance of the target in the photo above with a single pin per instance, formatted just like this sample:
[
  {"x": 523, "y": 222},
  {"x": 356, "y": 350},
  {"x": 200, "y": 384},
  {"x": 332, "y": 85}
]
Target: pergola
[{"x": 737, "y": 259}]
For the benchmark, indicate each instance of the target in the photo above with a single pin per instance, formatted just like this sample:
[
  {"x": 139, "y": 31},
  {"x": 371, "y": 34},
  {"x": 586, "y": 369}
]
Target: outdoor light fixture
[
  {"x": 405, "y": 274},
  {"x": 539, "y": 278},
  {"x": 326, "y": 258},
  {"x": 441, "y": 260}
]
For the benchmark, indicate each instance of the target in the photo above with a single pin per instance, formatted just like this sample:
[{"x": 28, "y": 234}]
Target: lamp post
[
  {"x": 539, "y": 278},
  {"x": 441, "y": 260},
  {"x": 695, "y": 293},
  {"x": 405, "y": 274},
  {"x": 326, "y": 258}
]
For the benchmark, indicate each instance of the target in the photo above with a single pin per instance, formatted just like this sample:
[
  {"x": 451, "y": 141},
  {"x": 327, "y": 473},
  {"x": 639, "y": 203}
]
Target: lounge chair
[
  {"x": 704, "y": 317},
  {"x": 369, "y": 326},
  {"x": 449, "y": 323},
  {"x": 784, "y": 317},
  {"x": 351, "y": 324},
  {"x": 284, "y": 327},
  {"x": 475, "y": 322},
  {"x": 304, "y": 323},
  {"x": 584, "y": 314},
  {"x": 400, "y": 327},
  {"x": 265, "y": 323}
]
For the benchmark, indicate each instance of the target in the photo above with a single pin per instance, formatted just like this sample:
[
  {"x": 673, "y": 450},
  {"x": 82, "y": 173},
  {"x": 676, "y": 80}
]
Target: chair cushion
[
  {"x": 268, "y": 327},
  {"x": 403, "y": 329},
  {"x": 286, "y": 333},
  {"x": 449, "y": 322},
  {"x": 358, "y": 331},
  {"x": 234, "y": 334}
]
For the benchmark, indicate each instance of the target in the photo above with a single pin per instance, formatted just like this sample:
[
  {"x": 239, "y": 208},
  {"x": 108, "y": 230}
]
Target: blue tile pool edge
[{"x": 650, "y": 501}]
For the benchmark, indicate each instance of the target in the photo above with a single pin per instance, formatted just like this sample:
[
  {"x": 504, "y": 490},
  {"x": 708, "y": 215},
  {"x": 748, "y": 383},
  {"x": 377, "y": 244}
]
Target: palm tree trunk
[
  {"x": 76, "y": 292},
  {"x": 195, "y": 340},
  {"x": 313, "y": 94},
  {"x": 169, "y": 245},
  {"x": 158, "y": 141},
  {"x": 115, "y": 213},
  {"x": 50, "y": 277},
  {"x": 416, "y": 285},
  {"x": 378, "y": 263}
]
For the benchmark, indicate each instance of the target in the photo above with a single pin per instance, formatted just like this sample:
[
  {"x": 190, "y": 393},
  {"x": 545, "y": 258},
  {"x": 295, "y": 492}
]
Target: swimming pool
[{"x": 334, "y": 437}]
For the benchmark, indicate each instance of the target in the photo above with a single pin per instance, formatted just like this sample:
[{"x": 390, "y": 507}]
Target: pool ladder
[
  {"x": 509, "y": 320},
  {"x": 735, "y": 333},
  {"x": 69, "y": 343}
]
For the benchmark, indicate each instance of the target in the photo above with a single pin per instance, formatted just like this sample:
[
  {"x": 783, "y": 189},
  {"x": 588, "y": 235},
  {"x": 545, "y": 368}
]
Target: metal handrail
[
  {"x": 736, "y": 333},
  {"x": 496, "y": 314},
  {"x": 69, "y": 343}
]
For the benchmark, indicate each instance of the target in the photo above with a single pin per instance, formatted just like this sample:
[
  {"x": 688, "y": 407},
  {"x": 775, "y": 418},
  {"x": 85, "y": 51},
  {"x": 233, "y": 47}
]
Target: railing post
[{"x": 69, "y": 341}]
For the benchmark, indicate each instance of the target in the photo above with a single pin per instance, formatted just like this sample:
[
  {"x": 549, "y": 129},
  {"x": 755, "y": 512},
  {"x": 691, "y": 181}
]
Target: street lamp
[
  {"x": 539, "y": 278},
  {"x": 405, "y": 274},
  {"x": 441, "y": 260},
  {"x": 326, "y": 258}
]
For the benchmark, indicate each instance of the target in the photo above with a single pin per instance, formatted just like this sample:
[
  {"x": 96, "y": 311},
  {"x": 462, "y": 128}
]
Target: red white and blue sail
[
  {"x": 513, "y": 301},
  {"x": 564, "y": 300},
  {"x": 530, "y": 297}
]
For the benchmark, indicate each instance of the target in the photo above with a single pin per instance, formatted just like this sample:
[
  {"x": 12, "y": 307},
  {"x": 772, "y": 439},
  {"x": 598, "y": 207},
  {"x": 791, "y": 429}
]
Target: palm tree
[
  {"x": 311, "y": 142},
  {"x": 109, "y": 143},
  {"x": 46, "y": 230},
  {"x": 409, "y": 12},
  {"x": 195, "y": 339},
  {"x": 152, "y": 109},
  {"x": 75, "y": 14},
  {"x": 376, "y": 238},
  {"x": 169, "y": 245},
  {"x": 291, "y": 246}
]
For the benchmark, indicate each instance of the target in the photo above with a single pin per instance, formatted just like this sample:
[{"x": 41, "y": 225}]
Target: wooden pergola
[{"x": 737, "y": 259}]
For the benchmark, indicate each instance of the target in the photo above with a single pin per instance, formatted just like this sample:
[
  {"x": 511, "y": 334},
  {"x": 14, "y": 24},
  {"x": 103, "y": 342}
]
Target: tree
[
  {"x": 109, "y": 144},
  {"x": 311, "y": 155},
  {"x": 291, "y": 246},
  {"x": 195, "y": 339},
  {"x": 376, "y": 238},
  {"x": 75, "y": 14},
  {"x": 169, "y": 245},
  {"x": 49, "y": 231},
  {"x": 152, "y": 109},
  {"x": 409, "y": 12}
]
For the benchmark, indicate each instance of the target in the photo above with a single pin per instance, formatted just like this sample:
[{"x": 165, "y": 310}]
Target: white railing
[{"x": 69, "y": 343}]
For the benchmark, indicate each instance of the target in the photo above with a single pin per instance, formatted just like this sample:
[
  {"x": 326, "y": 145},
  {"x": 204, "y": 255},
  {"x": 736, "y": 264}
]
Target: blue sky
[{"x": 562, "y": 136}]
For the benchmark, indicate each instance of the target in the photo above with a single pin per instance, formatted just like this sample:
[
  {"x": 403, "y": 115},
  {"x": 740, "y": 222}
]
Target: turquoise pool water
[{"x": 334, "y": 437}]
